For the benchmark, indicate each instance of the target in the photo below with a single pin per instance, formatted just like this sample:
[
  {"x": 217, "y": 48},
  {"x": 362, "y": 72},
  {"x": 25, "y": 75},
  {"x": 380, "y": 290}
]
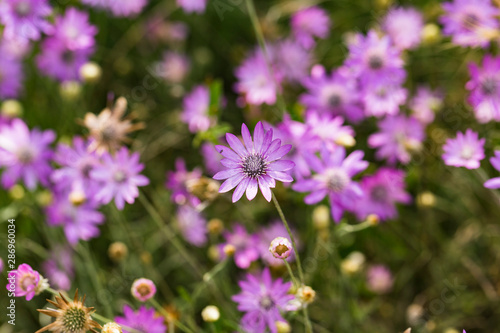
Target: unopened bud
[
  {"x": 353, "y": 263},
  {"x": 283, "y": 327},
  {"x": 280, "y": 247},
  {"x": 117, "y": 251},
  {"x": 90, "y": 72},
  {"x": 11, "y": 108},
  {"x": 112, "y": 328},
  {"x": 431, "y": 33},
  {"x": 321, "y": 217},
  {"x": 346, "y": 140},
  {"x": 229, "y": 250},
  {"x": 426, "y": 199},
  {"x": 210, "y": 314},
  {"x": 77, "y": 197},
  {"x": 70, "y": 90},
  {"x": 373, "y": 219},
  {"x": 306, "y": 294},
  {"x": 206, "y": 189},
  {"x": 215, "y": 226}
]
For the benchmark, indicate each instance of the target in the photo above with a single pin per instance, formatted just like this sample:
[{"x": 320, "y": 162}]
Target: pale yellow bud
[
  {"x": 70, "y": 90},
  {"x": 283, "y": 327},
  {"x": 11, "y": 108},
  {"x": 90, "y": 72},
  {"x": 117, "y": 251},
  {"x": 112, "y": 328},
  {"x": 431, "y": 34},
  {"x": 321, "y": 217},
  {"x": 210, "y": 313}
]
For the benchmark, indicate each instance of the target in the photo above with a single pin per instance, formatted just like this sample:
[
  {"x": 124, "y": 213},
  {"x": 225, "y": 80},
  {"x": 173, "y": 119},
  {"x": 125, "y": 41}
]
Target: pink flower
[
  {"x": 24, "y": 281},
  {"x": 143, "y": 289},
  {"x": 466, "y": 150}
]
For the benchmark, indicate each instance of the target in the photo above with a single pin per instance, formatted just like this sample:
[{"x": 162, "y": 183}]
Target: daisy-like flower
[
  {"x": 484, "y": 87},
  {"x": 75, "y": 30},
  {"x": 245, "y": 246},
  {"x": 192, "y": 6},
  {"x": 494, "y": 183},
  {"x": 26, "y": 282},
  {"x": 196, "y": 106},
  {"x": 292, "y": 60},
  {"x": 328, "y": 130},
  {"x": 59, "y": 268},
  {"x": 334, "y": 172},
  {"x": 404, "y": 26},
  {"x": 255, "y": 81},
  {"x": 192, "y": 224},
  {"x": 470, "y": 22},
  {"x": 143, "y": 289},
  {"x": 381, "y": 192},
  {"x": 425, "y": 104},
  {"x": 119, "y": 177},
  {"x": 144, "y": 320},
  {"x": 263, "y": 300},
  {"x": 383, "y": 98},
  {"x": 178, "y": 180},
  {"x": 466, "y": 150},
  {"x": 70, "y": 316},
  {"x": 280, "y": 248},
  {"x": 174, "y": 67},
  {"x": 126, "y": 8},
  {"x": 309, "y": 23},
  {"x": 379, "y": 279},
  {"x": 25, "y": 18},
  {"x": 398, "y": 137},
  {"x": 25, "y": 154},
  {"x": 11, "y": 75},
  {"x": 256, "y": 164},
  {"x": 266, "y": 236}
]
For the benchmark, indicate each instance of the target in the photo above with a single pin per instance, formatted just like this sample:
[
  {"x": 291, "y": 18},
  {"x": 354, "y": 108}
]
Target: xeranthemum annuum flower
[{"x": 71, "y": 316}]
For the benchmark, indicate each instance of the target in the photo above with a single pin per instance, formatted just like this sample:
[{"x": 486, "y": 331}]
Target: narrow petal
[
  {"x": 240, "y": 189},
  {"x": 258, "y": 136},
  {"x": 228, "y": 153},
  {"x": 229, "y": 163},
  {"x": 252, "y": 188},
  {"x": 230, "y": 183},
  {"x": 492, "y": 183},
  {"x": 264, "y": 188},
  {"x": 315, "y": 197},
  {"x": 281, "y": 176},
  {"x": 279, "y": 153},
  {"x": 247, "y": 138},
  {"x": 224, "y": 174},
  {"x": 268, "y": 138},
  {"x": 236, "y": 145},
  {"x": 281, "y": 165}
]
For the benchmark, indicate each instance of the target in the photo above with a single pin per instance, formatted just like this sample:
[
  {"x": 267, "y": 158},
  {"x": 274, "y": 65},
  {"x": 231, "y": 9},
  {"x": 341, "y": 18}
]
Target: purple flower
[
  {"x": 177, "y": 183},
  {"x": 309, "y": 23},
  {"x": 333, "y": 178},
  {"x": 59, "y": 267},
  {"x": 192, "y": 6},
  {"x": 404, "y": 26},
  {"x": 212, "y": 161},
  {"x": 119, "y": 177},
  {"x": 425, "y": 104},
  {"x": 245, "y": 246},
  {"x": 484, "y": 87},
  {"x": 379, "y": 279},
  {"x": 383, "y": 98},
  {"x": 292, "y": 61},
  {"x": 256, "y": 164},
  {"x": 196, "y": 108},
  {"x": 470, "y": 22},
  {"x": 337, "y": 93},
  {"x": 143, "y": 289},
  {"x": 255, "y": 81},
  {"x": 192, "y": 224},
  {"x": 265, "y": 237},
  {"x": 14, "y": 47},
  {"x": 126, "y": 8},
  {"x": 80, "y": 221},
  {"x": 174, "y": 67},
  {"x": 25, "y": 18},
  {"x": 381, "y": 192},
  {"x": 327, "y": 130},
  {"x": 144, "y": 320},
  {"x": 25, "y": 154},
  {"x": 24, "y": 281},
  {"x": 494, "y": 182},
  {"x": 11, "y": 75},
  {"x": 74, "y": 29},
  {"x": 398, "y": 136},
  {"x": 262, "y": 299},
  {"x": 1, "y": 265},
  {"x": 466, "y": 150}
]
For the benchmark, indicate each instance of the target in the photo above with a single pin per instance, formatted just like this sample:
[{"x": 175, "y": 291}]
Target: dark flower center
[
  {"x": 375, "y": 61},
  {"x": 379, "y": 193},
  {"x": 337, "y": 180},
  {"x": 489, "y": 86},
  {"x": 382, "y": 93},
  {"x": 86, "y": 168},
  {"x": 68, "y": 57},
  {"x": 27, "y": 281},
  {"x": 470, "y": 21},
  {"x": 119, "y": 176},
  {"x": 266, "y": 302},
  {"x": 108, "y": 134},
  {"x": 143, "y": 290},
  {"x": 25, "y": 155},
  {"x": 254, "y": 166},
  {"x": 335, "y": 101},
  {"x": 22, "y": 9}
]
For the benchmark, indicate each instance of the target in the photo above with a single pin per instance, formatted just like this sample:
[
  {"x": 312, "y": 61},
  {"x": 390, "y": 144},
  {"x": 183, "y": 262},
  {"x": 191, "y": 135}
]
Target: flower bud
[
  {"x": 321, "y": 217},
  {"x": 346, "y": 140},
  {"x": 70, "y": 90},
  {"x": 90, "y": 72},
  {"x": 280, "y": 247},
  {"x": 229, "y": 250},
  {"x": 11, "y": 108},
  {"x": 210, "y": 314},
  {"x": 117, "y": 251},
  {"x": 77, "y": 197},
  {"x": 206, "y": 189},
  {"x": 215, "y": 226},
  {"x": 353, "y": 263},
  {"x": 373, "y": 219},
  {"x": 426, "y": 199},
  {"x": 283, "y": 327},
  {"x": 306, "y": 294},
  {"x": 143, "y": 289},
  {"x": 112, "y": 327},
  {"x": 431, "y": 34}
]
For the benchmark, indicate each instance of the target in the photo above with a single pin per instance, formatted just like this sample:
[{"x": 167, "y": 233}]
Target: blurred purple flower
[
  {"x": 174, "y": 67},
  {"x": 11, "y": 75},
  {"x": 425, "y": 104},
  {"x": 404, "y": 26},
  {"x": 256, "y": 164},
  {"x": 196, "y": 107},
  {"x": 381, "y": 192},
  {"x": 14, "y": 47},
  {"x": 59, "y": 267},
  {"x": 192, "y": 6},
  {"x": 291, "y": 60},
  {"x": 333, "y": 178},
  {"x": 327, "y": 130},
  {"x": 265, "y": 237},
  {"x": 379, "y": 279},
  {"x": 494, "y": 182},
  {"x": 398, "y": 136},
  {"x": 25, "y": 154},
  {"x": 177, "y": 180},
  {"x": 470, "y": 22},
  {"x": 383, "y": 98},
  {"x": 309, "y": 23},
  {"x": 466, "y": 150},
  {"x": 245, "y": 246},
  {"x": 75, "y": 30},
  {"x": 211, "y": 158},
  {"x": 262, "y": 299},
  {"x": 144, "y": 320},
  {"x": 484, "y": 87},
  {"x": 192, "y": 225},
  {"x": 119, "y": 177},
  {"x": 25, "y": 18},
  {"x": 126, "y": 8},
  {"x": 26, "y": 281}
]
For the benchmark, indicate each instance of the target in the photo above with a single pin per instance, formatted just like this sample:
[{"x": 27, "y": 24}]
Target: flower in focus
[
  {"x": 466, "y": 150},
  {"x": 404, "y": 26},
  {"x": 379, "y": 279},
  {"x": 192, "y": 224},
  {"x": 494, "y": 183},
  {"x": 108, "y": 129},
  {"x": 192, "y": 6},
  {"x": 262, "y": 299},
  {"x": 25, "y": 154},
  {"x": 425, "y": 103},
  {"x": 119, "y": 177},
  {"x": 280, "y": 248},
  {"x": 177, "y": 183},
  {"x": 484, "y": 87},
  {"x": 309, "y": 23},
  {"x": 143, "y": 289},
  {"x": 70, "y": 316},
  {"x": 381, "y": 192},
  {"x": 196, "y": 107},
  {"x": 25, "y": 18},
  {"x": 398, "y": 136},
  {"x": 143, "y": 320},
  {"x": 256, "y": 164},
  {"x": 266, "y": 236},
  {"x": 333, "y": 178},
  {"x": 11, "y": 75},
  {"x": 24, "y": 281},
  {"x": 245, "y": 246},
  {"x": 470, "y": 22}
]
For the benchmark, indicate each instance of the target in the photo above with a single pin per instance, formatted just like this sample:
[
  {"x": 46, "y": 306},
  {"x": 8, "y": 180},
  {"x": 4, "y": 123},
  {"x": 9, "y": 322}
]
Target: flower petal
[
  {"x": 252, "y": 188},
  {"x": 240, "y": 189},
  {"x": 247, "y": 138},
  {"x": 315, "y": 197},
  {"x": 228, "y": 153},
  {"x": 258, "y": 136},
  {"x": 228, "y": 163},
  {"x": 224, "y": 174},
  {"x": 264, "y": 188},
  {"x": 281, "y": 165},
  {"x": 281, "y": 176},
  {"x": 493, "y": 183},
  {"x": 230, "y": 183},
  {"x": 279, "y": 153},
  {"x": 236, "y": 145}
]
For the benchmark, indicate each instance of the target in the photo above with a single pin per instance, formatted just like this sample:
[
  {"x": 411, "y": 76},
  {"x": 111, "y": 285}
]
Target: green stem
[
  {"x": 165, "y": 314},
  {"x": 294, "y": 279},
  {"x": 347, "y": 228}
]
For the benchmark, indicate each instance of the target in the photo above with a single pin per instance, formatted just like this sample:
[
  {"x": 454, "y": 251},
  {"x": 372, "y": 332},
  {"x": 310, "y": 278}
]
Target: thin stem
[
  {"x": 169, "y": 318},
  {"x": 347, "y": 228},
  {"x": 294, "y": 279}
]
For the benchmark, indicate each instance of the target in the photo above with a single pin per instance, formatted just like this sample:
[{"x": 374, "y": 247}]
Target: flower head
[
  {"x": 262, "y": 299},
  {"x": 192, "y": 224},
  {"x": 196, "y": 110},
  {"x": 466, "y": 150},
  {"x": 111, "y": 327},
  {"x": 244, "y": 245},
  {"x": 174, "y": 67},
  {"x": 266, "y": 236},
  {"x": 404, "y": 26},
  {"x": 333, "y": 178},
  {"x": 256, "y": 164},
  {"x": 280, "y": 248},
  {"x": 494, "y": 182},
  {"x": 143, "y": 289},
  {"x": 143, "y": 320},
  {"x": 425, "y": 103},
  {"x": 25, "y": 18},
  {"x": 383, "y": 97},
  {"x": 178, "y": 180},
  {"x": 379, "y": 279},
  {"x": 75, "y": 30},
  {"x": 60, "y": 268},
  {"x": 192, "y": 6},
  {"x": 70, "y": 316},
  {"x": 126, "y": 8},
  {"x": 25, "y": 281},
  {"x": 309, "y": 23}
]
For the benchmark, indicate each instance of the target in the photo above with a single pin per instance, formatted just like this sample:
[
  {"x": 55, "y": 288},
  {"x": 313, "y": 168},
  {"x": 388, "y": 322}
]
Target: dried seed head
[{"x": 112, "y": 328}]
